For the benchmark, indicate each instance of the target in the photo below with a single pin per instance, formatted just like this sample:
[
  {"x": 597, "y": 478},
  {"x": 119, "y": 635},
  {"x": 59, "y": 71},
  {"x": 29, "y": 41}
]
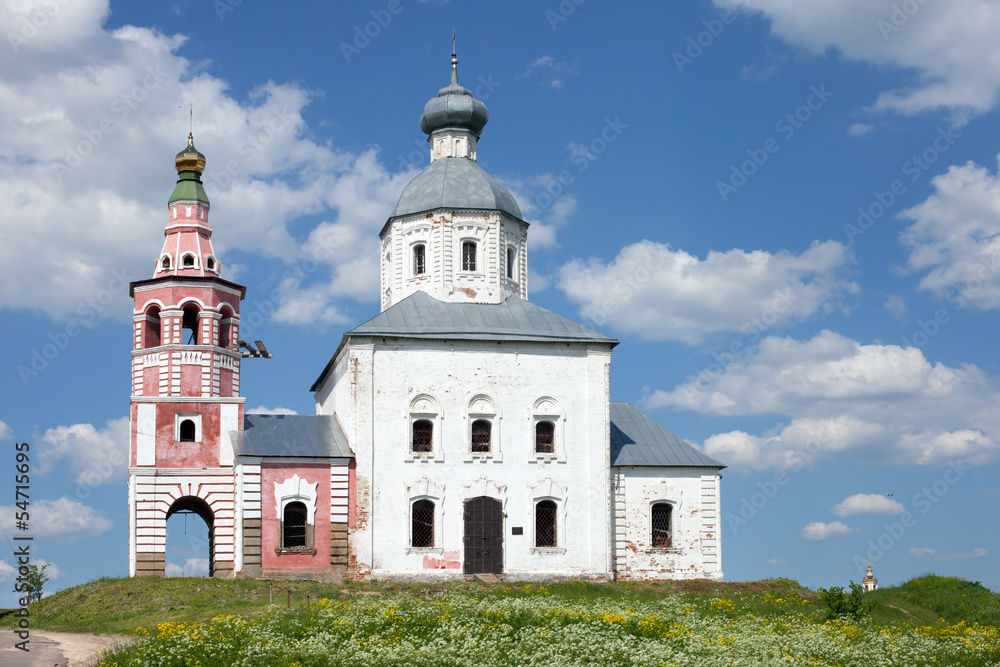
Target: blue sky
[{"x": 788, "y": 214}]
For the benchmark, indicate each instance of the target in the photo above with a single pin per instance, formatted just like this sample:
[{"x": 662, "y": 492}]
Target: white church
[{"x": 461, "y": 431}]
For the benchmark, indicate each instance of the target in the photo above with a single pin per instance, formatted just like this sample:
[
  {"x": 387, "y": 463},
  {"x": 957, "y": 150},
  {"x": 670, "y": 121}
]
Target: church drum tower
[{"x": 185, "y": 385}]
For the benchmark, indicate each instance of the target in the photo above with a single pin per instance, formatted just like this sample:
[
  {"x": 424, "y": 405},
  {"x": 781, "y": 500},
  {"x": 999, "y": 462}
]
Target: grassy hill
[{"x": 926, "y": 621}]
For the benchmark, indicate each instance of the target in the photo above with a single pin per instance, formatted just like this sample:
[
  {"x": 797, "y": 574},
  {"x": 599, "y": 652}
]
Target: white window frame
[
  {"x": 194, "y": 258},
  {"x": 479, "y": 256},
  {"x": 674, "y": 514},
  {"x": 193, "y": 416},
  {"x": 425, "y": 489},
  {"x": 547, "y": 408},
  {"x": 481, "y": 406},
  {"x": 413, "y": 260},
  {"x": 424, "y": 406}
]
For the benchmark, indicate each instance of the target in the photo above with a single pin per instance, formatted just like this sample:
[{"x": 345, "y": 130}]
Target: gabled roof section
[
  {"x": 637, "y": 440},
  {"x": 296, "y": 436},
  {"x": 422, "y": 316}
]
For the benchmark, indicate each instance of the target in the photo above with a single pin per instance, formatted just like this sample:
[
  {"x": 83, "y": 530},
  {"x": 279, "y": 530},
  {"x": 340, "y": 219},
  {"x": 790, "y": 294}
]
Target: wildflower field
[{"x": 533, "y": 625}]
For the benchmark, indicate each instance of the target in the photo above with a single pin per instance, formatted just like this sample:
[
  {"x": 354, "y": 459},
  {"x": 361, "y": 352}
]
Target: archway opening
[{"x": 190, "y": 548}]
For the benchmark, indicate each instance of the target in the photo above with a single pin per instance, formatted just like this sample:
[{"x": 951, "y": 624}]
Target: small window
[
  {"x": 293, "y": 533},
  {"x": 188, "y": 261},
  {"x": 165, "y": 263},
  {"x": 423, "y": 432},
  {"x": 419, "y": 261},
  {"x": 210, "y": 263},
  {"x": 187, "y": 211},
  {"x": 660, "y": 525},
  {"x": 422, "y": 524},
  {"x": 190, "y": 324},
  {"x": 481, "y": 429},
  {"x": 187, "y": 431},
  {"x": 510, "y": 263},
  {"x": 469, "y": 256},
  {"x": 545, "y": 524},
  {"x": 545, "y": 432}
]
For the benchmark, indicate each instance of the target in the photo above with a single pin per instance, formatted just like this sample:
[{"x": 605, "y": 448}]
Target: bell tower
[{"x": 185, "y": 383}]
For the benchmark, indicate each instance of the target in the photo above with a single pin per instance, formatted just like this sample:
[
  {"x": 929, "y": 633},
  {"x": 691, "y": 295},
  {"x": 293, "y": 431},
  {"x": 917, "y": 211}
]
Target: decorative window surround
[
  {"x": 296, "y": 489},
  {"x": 182, "y": 416},
  {"x": 547, "y": 408},
  {"x": 426, "y": 489},
  {"x": 482, "y": 407},
  {"x": 424, "y": 406},
  {"x": 549, "y": 489}
]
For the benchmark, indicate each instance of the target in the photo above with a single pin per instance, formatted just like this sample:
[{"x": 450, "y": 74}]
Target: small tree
[
  {"x": 837, "y": 604},
  {"x": 35, "y": 579}
]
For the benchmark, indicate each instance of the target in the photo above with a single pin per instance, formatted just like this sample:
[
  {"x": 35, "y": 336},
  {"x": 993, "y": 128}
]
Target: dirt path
[{"x": 59, "y": 649}]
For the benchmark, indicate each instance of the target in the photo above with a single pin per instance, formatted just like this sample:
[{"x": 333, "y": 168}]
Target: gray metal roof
[
  {"x": 455, "y": 183},
  {"x": 300, "y": 436},
  {"x": 637, "y": 440},
  {"x": 422, "y": 316}
]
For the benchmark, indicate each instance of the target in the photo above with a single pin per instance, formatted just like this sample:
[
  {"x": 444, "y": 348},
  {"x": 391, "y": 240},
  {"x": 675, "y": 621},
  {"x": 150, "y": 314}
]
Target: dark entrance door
[{"x": 483, "y": 536}]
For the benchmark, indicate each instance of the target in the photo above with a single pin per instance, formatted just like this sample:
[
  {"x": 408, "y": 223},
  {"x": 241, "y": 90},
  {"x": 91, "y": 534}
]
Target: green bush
[{"x": 838, "y": 605}]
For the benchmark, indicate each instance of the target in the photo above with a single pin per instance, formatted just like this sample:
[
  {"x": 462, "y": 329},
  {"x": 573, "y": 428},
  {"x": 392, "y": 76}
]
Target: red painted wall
[{"x": 313, "y": 473}]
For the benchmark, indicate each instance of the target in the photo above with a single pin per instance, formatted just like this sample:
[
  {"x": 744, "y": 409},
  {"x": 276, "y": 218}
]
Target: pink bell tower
[{"x": 185, "y": 385}]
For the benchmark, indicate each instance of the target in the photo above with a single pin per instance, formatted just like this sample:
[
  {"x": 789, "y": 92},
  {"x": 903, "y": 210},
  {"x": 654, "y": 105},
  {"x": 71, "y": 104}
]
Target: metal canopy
[{"x": 637, "y": 440}]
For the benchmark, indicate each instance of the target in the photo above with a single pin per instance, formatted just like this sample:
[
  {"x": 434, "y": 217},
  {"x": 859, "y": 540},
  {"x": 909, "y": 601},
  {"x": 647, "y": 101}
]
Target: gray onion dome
[{"x": 454, "y": 108}]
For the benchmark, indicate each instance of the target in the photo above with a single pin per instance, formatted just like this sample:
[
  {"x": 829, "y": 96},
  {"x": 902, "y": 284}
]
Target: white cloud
[
  {"x": 924, "y": 552},
  {"x": 895, "y": 305},
  {"x": 878, "y": 404},
  {"x": 955, "y": 237},
  {"x": 91, "y": 123},
  {"x": 193, "y": 567},
  {"x": 546, "y": 204},
  {"x": 868, "y": 503},
  {"x": 97, "y": 456},
  {"x": 860, "y": 129},
  {"x": 63, "y": 520},
  {"x": 660, "y": 294},
  {"x": 5, "y": 432},
  {"x": 7, "y": 571},
  {"x": 776, "y": 561},
  {"x": 261, "y": 410},
  {"x": 549, "y": 71},
  {"x": 818, "y": 530},
  {"x": 949, "y": 48}
]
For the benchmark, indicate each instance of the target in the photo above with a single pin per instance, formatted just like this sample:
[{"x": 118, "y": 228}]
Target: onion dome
[
  {"x": 454, "y": 108},
  {"x": 190, "y": 162}
]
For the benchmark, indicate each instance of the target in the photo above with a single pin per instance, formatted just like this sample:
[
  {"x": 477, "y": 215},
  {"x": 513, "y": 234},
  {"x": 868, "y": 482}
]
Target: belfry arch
[{"x": 202, "y": 509}]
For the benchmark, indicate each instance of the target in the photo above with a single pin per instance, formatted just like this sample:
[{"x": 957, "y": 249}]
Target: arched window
[
  {"x": 423, "y": 432},
  {"x": 510, "y": 263},
  {"x": 545, "y": 440},
  {"x": 469, "y": 256},
  {"x": 165, "y": 262},
  {"x": 187, "y": 431},
  {"x": 210, "y": 264},
  {"x": 419, "y": 259},
  {"x": 188, "y": 261},
  {"x": 151, "y": 332},
  {"x": 661, "y": 518},
  {"x": 545, "y": 523},
  {"x": 190, "y": 324},
  {"x": 481, "y": 429},
  {"x": 293, "y": 529},
  {"x": 422, "y": 524}
]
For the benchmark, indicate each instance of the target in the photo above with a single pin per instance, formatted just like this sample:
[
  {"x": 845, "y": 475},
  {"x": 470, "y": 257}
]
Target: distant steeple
[{"x": 869, "y": 583}]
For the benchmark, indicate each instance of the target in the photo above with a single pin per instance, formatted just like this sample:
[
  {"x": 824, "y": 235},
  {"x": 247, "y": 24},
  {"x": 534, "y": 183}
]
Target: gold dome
[{"x": 190, "y": 159}]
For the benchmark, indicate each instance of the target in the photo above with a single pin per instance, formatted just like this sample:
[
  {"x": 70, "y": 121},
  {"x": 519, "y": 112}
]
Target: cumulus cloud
[
  {"x": 955, "y": 237},
  {"x": 658, "y": 293},
  {"x": 91, "y": 120},
  {"x": 549, "y": 71},
  {"x": 63, "y": 520},
  {"x": 193, "y": 567},
  {"x": 261, "y": 410},
  {"x": 868, "y": 503},
  {"x": 948, "y": 48},
  {"x": 816, "y": 531},
  {"x": 5, "y": 432},
  {"x": 930, "y": 554},
  {"x": 546, "y": 204},
  {"x": 881, "y": 404},
  {"x": 96, "y": 456}
]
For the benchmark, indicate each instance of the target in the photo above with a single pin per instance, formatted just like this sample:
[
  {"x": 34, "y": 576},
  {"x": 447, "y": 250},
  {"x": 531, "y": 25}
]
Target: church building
[{"x": 461, "y": 431}]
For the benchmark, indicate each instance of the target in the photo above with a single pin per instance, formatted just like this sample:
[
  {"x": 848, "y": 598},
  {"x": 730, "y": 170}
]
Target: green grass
[{"x": 950, "y": 599}]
